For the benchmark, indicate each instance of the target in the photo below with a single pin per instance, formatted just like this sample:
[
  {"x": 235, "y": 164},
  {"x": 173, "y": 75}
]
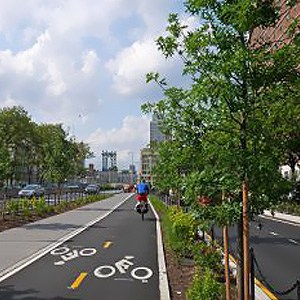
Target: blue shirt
[{"x": 142, "y": 188}]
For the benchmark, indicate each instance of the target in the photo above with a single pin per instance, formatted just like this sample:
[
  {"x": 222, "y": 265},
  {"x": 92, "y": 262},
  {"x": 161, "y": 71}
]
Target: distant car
[
  {"x": 92, "y": 189},
  {"x": 73, "y": 188},
  {"x": 31, "y": 190}
]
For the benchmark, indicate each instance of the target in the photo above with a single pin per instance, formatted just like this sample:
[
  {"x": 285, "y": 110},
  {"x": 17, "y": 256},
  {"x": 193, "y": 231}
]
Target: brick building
[{"x": 278, "y": 34}]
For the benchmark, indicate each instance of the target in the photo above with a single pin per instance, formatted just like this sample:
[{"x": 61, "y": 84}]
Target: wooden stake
[
  {"x": 246, "y": 240},
  {"x": 226, "y": 258}
]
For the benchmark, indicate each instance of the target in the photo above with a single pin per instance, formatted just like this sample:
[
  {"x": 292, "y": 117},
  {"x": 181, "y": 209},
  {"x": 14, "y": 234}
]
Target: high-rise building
[
  {"x": 148, "y": 160},
  {"x": 155, "y": 133},
  {"x": 109, "y": 160},
  {"x": 149, "y": 155}
]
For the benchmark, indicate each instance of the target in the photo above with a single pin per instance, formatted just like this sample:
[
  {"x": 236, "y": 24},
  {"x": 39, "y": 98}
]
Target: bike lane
[{"x": 115, "y": 258}]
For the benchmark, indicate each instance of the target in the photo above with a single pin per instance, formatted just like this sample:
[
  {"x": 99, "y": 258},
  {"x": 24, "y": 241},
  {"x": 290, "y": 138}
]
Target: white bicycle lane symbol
[
  {"x": 123, "y": 265},
  {"x": 138, "y": 273},
  {"x": 66, "y": 254}
]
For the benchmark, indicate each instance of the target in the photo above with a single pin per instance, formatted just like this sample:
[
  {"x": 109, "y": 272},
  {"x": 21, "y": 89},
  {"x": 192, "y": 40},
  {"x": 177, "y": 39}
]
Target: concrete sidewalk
[
  {"x": 22, "y": 245},
  {"x": 284, "y": 217}
]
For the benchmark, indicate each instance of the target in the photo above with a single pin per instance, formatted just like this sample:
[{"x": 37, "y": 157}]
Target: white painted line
[
  {"x": 279, "y": 220},
  {"x": 293, "y": 241},
  {"x": 163, "y": 276},
  {"x": 283, "y": 216},
  {"x": 42, "y": 252},
  {"x": 273, "y": 233},
  {"x": 124, "y": 279}
]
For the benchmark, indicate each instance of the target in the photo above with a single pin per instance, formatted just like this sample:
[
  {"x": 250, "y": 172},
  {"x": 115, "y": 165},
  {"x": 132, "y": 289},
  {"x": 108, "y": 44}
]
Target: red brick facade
[{"x": 278, "y": 34}]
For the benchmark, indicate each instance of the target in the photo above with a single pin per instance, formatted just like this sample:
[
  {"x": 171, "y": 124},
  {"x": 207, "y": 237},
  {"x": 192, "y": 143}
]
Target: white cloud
[
  {"x": 61, "y": 59},
  {"x": 130, "y": 66},
  {"x": 10, "y": 101},
  {"x": 90, "y": 61}
]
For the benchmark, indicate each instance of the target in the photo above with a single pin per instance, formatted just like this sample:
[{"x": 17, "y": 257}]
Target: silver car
[
  {"x": 92, "y": 189},
  {"x": 32, "y": 190}
]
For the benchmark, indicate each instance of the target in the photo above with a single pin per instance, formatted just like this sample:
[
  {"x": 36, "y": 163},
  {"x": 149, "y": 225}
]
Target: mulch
[
  {"x": 9, "y": 222},
  {"x": 180, "y": 275}
]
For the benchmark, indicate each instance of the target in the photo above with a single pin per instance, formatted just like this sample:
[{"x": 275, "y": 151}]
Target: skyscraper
[{"x": 155, "y": 133}]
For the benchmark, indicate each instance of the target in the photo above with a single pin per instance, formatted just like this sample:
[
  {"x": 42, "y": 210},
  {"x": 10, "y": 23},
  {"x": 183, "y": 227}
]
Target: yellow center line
[
  {"x": 107, "y": 244},
  {"x": 78, "y": 281}
]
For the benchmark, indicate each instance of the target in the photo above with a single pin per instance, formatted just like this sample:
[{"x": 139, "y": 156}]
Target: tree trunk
[
  {"x": 226, "y": 259},
  {"x": 246, "y": 240},
  {"x": 240, "y": 261}
]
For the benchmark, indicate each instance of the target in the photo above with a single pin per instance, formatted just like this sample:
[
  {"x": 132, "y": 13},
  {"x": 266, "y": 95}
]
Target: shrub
[
  {"x": 207, "y": 256},
  {"x": 204, "y": 287},
  {"x": 40, "y": 206},
  {"x": 181, "y": 231},
  {"x": 13, "y": 206},
  {"x": 26, "y": 207},
  {"x": 159, "y": 205},
  {"x": 289, "y": 207}
]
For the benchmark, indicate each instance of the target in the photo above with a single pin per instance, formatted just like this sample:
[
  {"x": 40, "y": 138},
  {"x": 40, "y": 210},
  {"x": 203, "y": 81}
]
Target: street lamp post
[{"x": 131, "y": 168}]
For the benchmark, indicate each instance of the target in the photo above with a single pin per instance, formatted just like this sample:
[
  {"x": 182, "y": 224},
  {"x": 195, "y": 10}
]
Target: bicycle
[{"x": 142, "y": 205}]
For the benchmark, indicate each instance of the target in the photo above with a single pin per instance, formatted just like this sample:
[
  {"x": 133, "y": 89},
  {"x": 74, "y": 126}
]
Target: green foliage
[
  {"x": 204, "y": 286},
  {"x": 17, "y": 141},
  {"x": 234, "y": 121},
  {"x": 40, "y": 206},
  {"x": 159, "y": 206},
  {"x": 27, "y": 146},
  {"x": 4, "y": 162},
  {"x": 106, "y": 187},
  {"x": 208, "y": 257},
  {"x": 13, "y": 206},
  {"x": 181, "y": 232},
  {"x": 224, "y": 213},
  {"x": 288, "y": 207},
  {"x": 26, "y": 207}
]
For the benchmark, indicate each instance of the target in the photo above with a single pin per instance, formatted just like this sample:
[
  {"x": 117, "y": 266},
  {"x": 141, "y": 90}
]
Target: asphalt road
[
  {"x": 114, "y": 259},
  {"x": 277, "y": 249}
]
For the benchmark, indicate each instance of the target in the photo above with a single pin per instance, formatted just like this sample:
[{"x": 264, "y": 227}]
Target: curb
[
  {"x": 294, "y": 220},
  {"x": 163, "y": 276},
  {"x": 263, "y": 292}
]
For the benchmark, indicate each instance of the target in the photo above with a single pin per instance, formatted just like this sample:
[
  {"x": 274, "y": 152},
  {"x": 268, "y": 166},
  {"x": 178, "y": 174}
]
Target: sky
[{"x": 83, "y": 63}]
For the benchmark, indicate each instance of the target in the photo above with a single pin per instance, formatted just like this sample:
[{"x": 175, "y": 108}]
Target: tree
[
  {"x": 16, "y": 133},
  {"x": 60, "y": 158},
  {"x": 4, "y": 162},
  {"x": 238, "y": 86}
]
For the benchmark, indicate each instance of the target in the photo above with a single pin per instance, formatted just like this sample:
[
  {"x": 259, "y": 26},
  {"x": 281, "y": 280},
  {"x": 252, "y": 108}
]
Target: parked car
[
  {"x": 32, "y": 190},
  {"x": 92, "y": 189}
]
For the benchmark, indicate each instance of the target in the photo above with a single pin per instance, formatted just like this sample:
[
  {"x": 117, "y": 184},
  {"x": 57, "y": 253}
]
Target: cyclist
[{"x": 142, "y": 191}]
